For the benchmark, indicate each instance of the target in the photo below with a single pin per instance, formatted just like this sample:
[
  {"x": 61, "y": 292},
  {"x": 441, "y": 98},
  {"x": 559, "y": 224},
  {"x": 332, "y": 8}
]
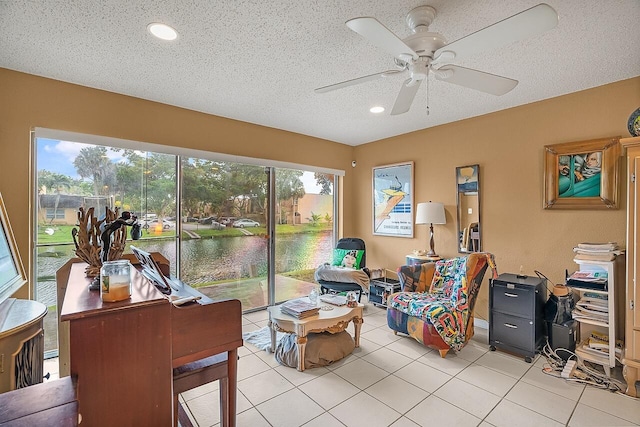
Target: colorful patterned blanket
[{"x": 445, "y": 306}]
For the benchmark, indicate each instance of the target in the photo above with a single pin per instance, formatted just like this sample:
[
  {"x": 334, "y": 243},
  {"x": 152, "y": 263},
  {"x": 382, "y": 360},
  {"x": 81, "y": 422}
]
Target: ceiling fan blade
[
  {"x": 405, "y": 97},
  {"x": 381, "y": 36},
  {"x": 474, "y": 79},
  {"x": 525, "y": 24},
  {"x": 357, "y": 81}
]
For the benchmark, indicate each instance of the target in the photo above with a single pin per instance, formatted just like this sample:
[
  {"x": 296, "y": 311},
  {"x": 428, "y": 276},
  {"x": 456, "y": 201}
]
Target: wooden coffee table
[{"x": 332, "y": 321}]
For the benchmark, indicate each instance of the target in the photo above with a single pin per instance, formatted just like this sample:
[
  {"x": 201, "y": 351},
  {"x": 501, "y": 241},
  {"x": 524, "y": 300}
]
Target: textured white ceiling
[{"x": 258, "y": 60}]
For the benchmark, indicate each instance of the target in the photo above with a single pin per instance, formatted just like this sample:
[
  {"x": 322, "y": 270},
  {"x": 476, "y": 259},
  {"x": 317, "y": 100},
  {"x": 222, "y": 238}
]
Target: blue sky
[{"x": 57, "y": 156}]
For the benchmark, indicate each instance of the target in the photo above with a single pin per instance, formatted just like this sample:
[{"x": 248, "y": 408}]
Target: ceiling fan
[{"x": 423, "y": 51}]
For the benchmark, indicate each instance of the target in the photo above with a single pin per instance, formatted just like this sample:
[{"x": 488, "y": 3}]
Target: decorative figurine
[
  {"x": 351, "y": 300},
  {"x": 98, "y": 241}
]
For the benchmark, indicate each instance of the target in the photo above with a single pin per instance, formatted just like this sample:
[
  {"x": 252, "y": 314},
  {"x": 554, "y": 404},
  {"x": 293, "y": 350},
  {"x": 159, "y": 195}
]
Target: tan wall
[
  {"x": 27, "y": 101},
  {"x": 508, "y": 145}
]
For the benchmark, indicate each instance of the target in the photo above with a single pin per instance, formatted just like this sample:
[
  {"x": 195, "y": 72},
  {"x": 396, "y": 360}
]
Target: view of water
[
  {"x": 203, "y": 260},
  {"x": 211, "y": 259}
]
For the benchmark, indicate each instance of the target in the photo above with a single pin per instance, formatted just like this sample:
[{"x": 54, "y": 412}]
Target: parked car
[
  {"x": 207, "y": 220},
  {"x": 215, "y": 225},
  {"x": 227, "y": 220},
  {"x": 242, "y": 223}
]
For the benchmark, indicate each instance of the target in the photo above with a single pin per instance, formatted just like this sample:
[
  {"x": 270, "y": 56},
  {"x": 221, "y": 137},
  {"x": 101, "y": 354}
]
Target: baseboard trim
[{"x": 480, "y": 323}]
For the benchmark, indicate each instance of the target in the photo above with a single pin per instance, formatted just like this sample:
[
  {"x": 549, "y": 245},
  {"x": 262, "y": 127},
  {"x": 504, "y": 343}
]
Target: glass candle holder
[
  {"x": 313, "y": 296},
  {"x": 115, "y": 280}
]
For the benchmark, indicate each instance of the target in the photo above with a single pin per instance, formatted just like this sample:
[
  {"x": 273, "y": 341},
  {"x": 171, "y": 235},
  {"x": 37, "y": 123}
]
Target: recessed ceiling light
[
  {"x": 376, "y": 110},
  {"x": 162, "y": 31}
]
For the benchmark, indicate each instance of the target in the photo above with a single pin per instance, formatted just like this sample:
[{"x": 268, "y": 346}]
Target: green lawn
[{"x": 62, "y": 233}]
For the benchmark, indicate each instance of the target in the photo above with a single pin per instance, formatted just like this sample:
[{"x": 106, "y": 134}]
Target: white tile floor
[{"x": 394, "y": 381}]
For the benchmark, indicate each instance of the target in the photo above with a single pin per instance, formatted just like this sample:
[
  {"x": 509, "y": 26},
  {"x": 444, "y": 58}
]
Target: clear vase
[
  {"x": 115, "y": 280},
  {"x": 313, "y": 296}
]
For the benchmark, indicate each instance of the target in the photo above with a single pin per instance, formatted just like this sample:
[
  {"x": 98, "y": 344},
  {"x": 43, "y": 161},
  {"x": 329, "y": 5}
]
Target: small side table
[
  {"x": 420, "y": 259},
  {"x": 333, "y": 321}
]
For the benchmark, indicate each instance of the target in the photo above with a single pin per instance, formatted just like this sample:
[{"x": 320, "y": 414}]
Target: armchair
[{"x": 436, "y": 304}]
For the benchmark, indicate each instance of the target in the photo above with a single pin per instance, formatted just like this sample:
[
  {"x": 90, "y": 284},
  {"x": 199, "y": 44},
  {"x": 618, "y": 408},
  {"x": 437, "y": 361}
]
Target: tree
[
  {"x": 325, "y": 181},
  {"x": 328, "y": 218},
  {"x": 314, "y": 219},
  {"x": 93, "y": 163},
  {"x": 55, "y": 182},
  {"x": 160, "y": 184},
  {"x": 129, "y": 181},
  {"x": 247, "y": 185},
  {"x": 203, "y": 186},
  {"x": 289, "y": 186}
]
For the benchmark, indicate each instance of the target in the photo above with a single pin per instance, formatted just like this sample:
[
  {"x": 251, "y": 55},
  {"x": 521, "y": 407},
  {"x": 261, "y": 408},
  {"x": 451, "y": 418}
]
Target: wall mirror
[{"x": 468, "y": 208}]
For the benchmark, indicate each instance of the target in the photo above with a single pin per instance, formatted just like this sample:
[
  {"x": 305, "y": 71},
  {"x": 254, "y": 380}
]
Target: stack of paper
[
  {"x": 599, "y": 341},
  {"x": 299, "y": 308},
  {"x": 597, "y": 345},
  {"x": 597, "y": 251},
  {"x": 590, "y": 308},
  {"x": 588, "y": 279}
]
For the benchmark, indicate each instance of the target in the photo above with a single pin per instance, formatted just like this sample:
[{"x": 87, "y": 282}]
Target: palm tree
[
  {"x": 55, "y": 182},
  {"x": 93, "y": 163}
]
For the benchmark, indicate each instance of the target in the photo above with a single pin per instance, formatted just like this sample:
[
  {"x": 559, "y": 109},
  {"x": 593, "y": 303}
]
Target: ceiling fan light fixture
[
  {"x": 377, "y": 109},
  {"x": 162, "y": 31},
  {"x": 424, "y": 51}
]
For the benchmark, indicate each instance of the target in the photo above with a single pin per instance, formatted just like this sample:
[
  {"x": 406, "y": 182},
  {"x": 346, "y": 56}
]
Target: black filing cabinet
[{"x": 516, "y": 320}]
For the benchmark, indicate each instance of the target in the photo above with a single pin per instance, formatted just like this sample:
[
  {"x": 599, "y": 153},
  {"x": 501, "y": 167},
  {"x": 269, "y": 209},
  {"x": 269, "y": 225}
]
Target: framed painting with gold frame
[
  {"x": 582, "y": 175},
  {"x": 12, "y": 274}
]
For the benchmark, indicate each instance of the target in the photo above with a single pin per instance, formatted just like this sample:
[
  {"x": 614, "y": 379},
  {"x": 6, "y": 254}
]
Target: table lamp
[{"x": 430, "y": 213}]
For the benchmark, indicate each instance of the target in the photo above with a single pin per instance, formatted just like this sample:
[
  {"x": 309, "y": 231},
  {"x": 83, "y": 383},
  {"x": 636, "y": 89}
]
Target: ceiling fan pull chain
[{"x": 427, "y": 79}]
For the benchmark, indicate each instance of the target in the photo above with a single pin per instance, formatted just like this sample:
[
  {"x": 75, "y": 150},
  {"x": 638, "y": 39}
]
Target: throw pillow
[
  {"x": 447, "y": 273},
  {"x": 350, "y": 258}
]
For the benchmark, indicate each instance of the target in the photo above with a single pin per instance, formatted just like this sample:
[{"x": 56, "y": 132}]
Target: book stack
[
  {"x": 593, "y": 307},
  {"x": 598, "y": 344},
  {"x": 592, "y": 279},
  {"x": 596, "y": 251},
  {"x": 299, "y": 308}
]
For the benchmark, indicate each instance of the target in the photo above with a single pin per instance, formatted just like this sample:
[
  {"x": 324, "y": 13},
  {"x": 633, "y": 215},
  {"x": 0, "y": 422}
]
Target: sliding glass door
[
  {"x": 304, "y": 229},
  {"x": 210, "y": 218},
  {"x": 224, "y": 223}
]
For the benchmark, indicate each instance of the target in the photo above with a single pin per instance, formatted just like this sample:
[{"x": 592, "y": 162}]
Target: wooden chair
[{"x": 195, "y": 374}]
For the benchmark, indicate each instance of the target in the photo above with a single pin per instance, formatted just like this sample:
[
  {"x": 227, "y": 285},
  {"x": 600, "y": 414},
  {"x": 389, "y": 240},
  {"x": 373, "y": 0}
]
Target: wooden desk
[{"x": 123, "y": 353}]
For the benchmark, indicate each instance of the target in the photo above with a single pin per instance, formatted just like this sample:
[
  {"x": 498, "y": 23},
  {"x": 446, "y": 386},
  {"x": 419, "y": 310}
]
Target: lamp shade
[{"x": 430, "y": 213}]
